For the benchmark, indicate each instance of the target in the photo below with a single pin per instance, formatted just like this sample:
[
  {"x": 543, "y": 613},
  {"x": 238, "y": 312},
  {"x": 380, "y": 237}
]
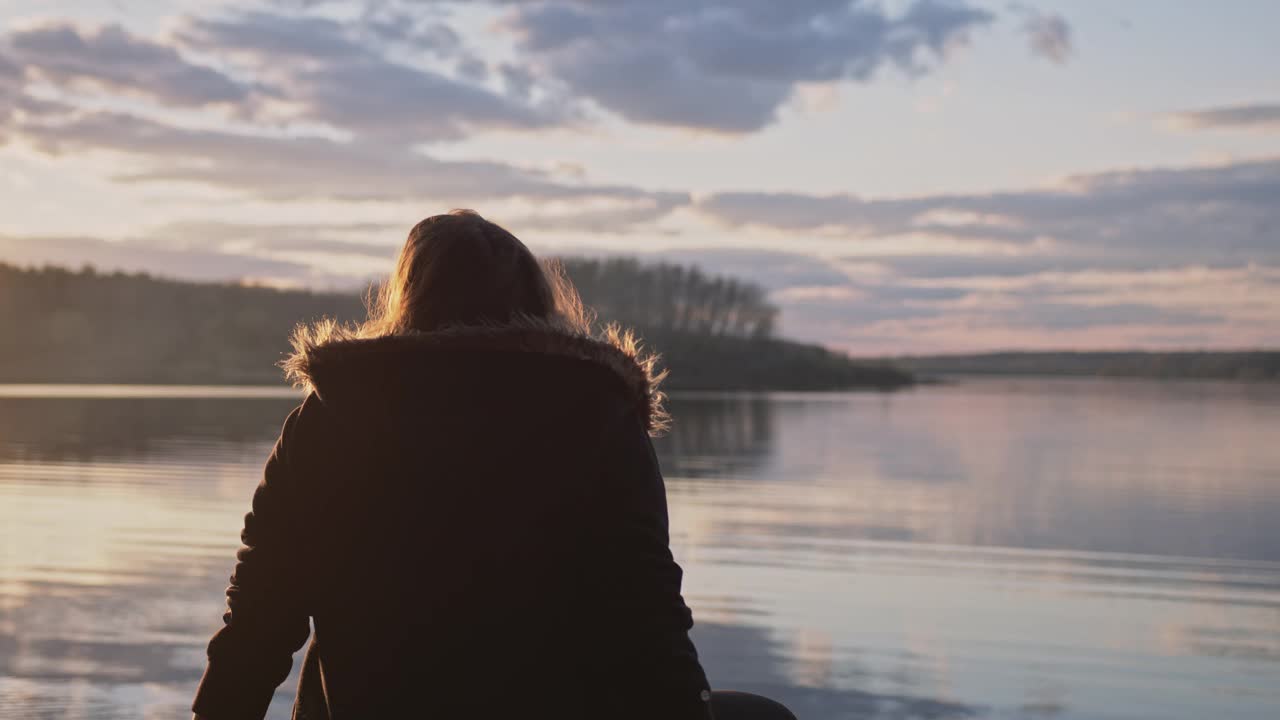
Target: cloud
[
  {"x": 905, "y": 316},
  {"x": 1076, "y": 316},
  {"x": 624, "y": 212},
  {"x": 402, "y": 73},
  {"x": 302, "y": 167},
  {"x": 842, "y": 321},
  {"x": 112, "y": 58},
  {"x": 378, "y": 97},
  {"x": 12, "y": 79},
  {"x": 356, "y": 241},
  {"x": 1217, "y": 214},
  {"x": 146, "y": 256},
  {"x": 936, "y": 266},
  {"x": 12, "y": 75},
  {"x": 1246, "y": 117},
  {"x": 821, "y": 302},
  {"x": 1049, "y": 36},
  {"x": 267, "y": 35},
  {"x": 726, "y": 65},
  {"x": 1101, "y": 259},
  {"x": 306, "y": 69},
  {"x": 341, "y": 74},
  {"x": 775, "y": 270}
]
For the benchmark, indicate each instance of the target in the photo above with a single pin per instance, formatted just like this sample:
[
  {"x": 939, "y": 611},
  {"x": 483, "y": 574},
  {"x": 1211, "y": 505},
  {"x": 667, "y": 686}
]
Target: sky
[{"x": 907, "y": 176}]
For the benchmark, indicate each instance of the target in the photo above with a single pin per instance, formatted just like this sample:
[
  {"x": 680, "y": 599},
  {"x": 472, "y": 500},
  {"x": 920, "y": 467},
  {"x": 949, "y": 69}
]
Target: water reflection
[
  {"x": 717, "y": 435},
  {"x": 1094, "y": 465},
  {"x": 993, "y": 550},
  {"x": 802, "y": 676},
  {"x": 84, "y": 430}
]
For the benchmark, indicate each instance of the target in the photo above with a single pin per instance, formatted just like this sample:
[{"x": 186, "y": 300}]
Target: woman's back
[{"x": 476, "y": 522}]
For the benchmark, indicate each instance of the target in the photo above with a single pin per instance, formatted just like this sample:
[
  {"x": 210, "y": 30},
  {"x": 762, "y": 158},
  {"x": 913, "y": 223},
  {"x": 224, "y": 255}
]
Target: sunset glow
[{"x": 903, "y": 176}]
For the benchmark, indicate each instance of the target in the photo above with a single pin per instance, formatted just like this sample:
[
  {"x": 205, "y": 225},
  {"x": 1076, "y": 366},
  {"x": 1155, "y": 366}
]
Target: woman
[{"x": 468, "y": 506}]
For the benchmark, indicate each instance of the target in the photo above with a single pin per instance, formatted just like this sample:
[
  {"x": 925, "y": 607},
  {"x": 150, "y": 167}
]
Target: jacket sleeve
[
  {"x": 266, "y": 620},
  {"x": 644, "y": 658}
]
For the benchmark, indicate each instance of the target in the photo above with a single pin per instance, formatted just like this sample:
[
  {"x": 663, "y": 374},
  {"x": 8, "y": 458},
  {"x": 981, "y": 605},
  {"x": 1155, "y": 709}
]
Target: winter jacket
[{"x": 475, "y": 522}]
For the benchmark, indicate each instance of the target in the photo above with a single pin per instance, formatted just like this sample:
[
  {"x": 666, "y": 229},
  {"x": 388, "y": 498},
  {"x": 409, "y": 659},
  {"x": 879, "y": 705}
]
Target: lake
[{"x": 987, "y": 548}]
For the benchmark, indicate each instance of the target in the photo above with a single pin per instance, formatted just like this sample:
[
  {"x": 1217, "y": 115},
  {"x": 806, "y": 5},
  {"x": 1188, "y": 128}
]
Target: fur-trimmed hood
[{"x": 321, "y": 351}]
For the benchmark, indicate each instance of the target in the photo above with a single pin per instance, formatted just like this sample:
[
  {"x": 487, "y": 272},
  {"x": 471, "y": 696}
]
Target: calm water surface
[{"x": 986, "y": 549}]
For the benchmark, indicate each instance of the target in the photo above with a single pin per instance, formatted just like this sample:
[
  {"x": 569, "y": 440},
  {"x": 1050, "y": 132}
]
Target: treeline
[
  {"x": 672, "y": 298},
  {"x": 1217, "y": 365},
  {"x": 58, "y": 325}
]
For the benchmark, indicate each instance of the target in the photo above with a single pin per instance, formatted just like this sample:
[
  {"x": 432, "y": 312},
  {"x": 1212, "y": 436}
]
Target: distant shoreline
[{"x": 1234, "y": 365}]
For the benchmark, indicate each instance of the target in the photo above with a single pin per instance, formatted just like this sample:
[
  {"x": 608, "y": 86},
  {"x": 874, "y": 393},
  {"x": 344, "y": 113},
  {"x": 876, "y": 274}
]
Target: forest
[{"x": 61, "y": 325}]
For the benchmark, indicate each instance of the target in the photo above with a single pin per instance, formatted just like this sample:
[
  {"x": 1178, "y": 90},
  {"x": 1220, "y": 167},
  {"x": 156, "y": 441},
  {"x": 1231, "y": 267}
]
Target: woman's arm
[
  {"x": 266, "y": 620},
  {"x": 644, "y": 657}
]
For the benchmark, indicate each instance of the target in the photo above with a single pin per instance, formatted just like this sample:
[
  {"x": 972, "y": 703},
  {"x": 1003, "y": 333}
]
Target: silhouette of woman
[{"x": 468, "y": 507}]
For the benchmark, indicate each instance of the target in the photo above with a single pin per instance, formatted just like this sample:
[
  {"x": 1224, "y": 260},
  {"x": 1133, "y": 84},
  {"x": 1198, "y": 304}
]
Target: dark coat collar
[{"x": 321, "y": 350}]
